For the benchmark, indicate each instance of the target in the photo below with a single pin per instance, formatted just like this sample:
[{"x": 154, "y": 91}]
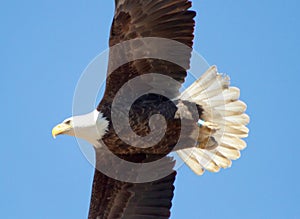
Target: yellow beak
[{"x": 60, "y": 129}]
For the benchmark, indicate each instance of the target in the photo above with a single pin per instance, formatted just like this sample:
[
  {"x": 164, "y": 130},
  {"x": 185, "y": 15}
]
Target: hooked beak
[{"x": 60, "y": 129}]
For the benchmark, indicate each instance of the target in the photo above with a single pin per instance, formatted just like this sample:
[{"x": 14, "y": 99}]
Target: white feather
[
  {"x": 230, "y": 153},
  {"x": 188, "y": 157},
  {"x": 205, "y": 161},
  {"x": 222, "y": 107}
]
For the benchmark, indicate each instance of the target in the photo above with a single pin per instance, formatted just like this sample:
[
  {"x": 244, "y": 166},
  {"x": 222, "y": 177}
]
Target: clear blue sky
[{"x": 45, "y": 46}]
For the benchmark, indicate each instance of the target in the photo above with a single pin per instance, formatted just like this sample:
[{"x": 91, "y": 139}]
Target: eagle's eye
[{"x": 68, "y": 122}]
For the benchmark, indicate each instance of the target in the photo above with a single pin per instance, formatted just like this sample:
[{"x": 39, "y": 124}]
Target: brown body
[{"x": 139, "y": 116}]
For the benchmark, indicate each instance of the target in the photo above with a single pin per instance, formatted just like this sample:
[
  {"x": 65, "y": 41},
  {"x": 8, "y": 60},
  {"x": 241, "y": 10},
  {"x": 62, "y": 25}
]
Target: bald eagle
[{"x": 208, "y": 116}]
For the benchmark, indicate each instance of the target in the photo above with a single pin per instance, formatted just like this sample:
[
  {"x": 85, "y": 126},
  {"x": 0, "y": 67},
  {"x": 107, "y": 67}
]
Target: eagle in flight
[{"x": 150, "y": 49}]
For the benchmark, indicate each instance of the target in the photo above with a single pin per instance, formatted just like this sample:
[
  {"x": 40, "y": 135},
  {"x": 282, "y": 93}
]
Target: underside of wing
[
  {"x": 114, "y": 199},
  {"x": 169, "y": 19},
  {"x": 133, "y": 53}
]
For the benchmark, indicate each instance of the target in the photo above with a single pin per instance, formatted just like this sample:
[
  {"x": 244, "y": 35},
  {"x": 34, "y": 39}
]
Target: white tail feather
[{"x": 222, "y": 107}]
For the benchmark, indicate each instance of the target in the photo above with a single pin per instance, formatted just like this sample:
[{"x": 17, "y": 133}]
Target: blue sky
[{"x": 45, "y": 46}]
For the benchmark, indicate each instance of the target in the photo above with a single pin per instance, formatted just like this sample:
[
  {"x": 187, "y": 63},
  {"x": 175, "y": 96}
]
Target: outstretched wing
[
  {"x": 114, "y": 199},
  {"x": 133, "y": 53}
]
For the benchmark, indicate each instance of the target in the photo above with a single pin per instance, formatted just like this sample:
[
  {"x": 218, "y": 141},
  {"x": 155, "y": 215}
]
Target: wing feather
[
  {"x": 140, "y": 19},
  {"x": 113, "y": 199}
]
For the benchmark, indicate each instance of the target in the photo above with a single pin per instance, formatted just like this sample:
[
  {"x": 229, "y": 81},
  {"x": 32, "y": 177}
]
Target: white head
[{"x": 90, "y": 127}]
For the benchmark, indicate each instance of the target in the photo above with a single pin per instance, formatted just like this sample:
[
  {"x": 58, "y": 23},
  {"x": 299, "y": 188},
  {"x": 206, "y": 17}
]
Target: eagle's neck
[{"x": 90, "y": 127}]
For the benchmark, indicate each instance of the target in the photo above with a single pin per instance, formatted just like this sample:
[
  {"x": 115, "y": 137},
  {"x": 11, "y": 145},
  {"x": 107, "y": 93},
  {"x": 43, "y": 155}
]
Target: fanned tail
[{"x": 222, "y": 125}]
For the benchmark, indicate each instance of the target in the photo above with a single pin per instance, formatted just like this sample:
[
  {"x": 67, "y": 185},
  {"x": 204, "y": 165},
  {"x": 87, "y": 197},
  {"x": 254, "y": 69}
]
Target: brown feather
[{"x": 113, "y": 199}]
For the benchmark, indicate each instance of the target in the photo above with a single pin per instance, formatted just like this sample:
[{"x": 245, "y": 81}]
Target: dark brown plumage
[
  {"x": 136, "y": 19},
  {"x": 114, "y": 199}
]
